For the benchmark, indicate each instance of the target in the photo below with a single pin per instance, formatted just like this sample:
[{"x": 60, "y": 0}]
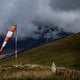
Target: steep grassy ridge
[{"x": 63, "y": 52}]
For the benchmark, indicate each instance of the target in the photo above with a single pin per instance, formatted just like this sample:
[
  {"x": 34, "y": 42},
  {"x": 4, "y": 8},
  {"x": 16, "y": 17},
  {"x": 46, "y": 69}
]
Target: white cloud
[
  {"x": 23, "y": 12},
  {"x": 67, "y": 20}
]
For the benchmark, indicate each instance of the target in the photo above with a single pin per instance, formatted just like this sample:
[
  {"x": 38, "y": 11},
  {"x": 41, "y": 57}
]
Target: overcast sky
[
  {"x": 65, "y": 4},
  {"x": 63, "y": 13}
]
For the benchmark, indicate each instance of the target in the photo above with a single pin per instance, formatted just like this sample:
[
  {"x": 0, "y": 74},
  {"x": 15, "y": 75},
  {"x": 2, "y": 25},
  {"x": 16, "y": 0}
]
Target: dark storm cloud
[
  {"x": 67, "y": 20},
  {"x": 19, "y": 12},
  {"x": 25, "y": 12},
  {"x": 65, "y": 4}
]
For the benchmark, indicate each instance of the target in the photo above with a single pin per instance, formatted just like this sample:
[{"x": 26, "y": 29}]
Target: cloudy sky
[{"x": 63, "y": 13}]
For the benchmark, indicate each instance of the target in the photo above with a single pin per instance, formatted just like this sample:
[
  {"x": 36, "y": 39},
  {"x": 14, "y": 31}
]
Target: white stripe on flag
[
  {"x": 4, "y": 44},
  {"x": 9, "y": 34}
]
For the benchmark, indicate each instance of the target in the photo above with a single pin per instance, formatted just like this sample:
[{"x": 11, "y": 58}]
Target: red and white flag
[{"x": 12, "y": 29}]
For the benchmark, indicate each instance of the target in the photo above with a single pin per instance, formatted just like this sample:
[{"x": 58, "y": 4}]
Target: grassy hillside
[
  {"x": 63, "y": 52},
  {"x": 37, "y": 72}
]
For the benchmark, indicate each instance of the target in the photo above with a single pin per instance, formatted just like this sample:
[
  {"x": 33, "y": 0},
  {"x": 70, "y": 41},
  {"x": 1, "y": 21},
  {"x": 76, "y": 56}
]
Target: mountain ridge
[
  {"x": 44, "y": 34},
  {"x": 63, "y": 52}
]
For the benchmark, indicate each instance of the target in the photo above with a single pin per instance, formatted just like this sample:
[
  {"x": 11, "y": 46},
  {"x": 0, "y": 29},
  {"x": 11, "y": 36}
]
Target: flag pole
[{"x": 16, "y": 55}]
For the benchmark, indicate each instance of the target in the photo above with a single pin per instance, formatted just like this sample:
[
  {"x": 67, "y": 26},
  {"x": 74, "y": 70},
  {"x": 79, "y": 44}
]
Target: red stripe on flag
[
  {"x": 1, "y": 49},
  {"x": 12, "y": 28},
  {"x": 7, "y": 38}
]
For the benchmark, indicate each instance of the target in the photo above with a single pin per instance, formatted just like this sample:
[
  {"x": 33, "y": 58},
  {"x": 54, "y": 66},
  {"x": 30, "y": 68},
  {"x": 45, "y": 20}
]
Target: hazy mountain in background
[
  {"x": 63, "y": 52},
  {"x": 44, "y": 34}
]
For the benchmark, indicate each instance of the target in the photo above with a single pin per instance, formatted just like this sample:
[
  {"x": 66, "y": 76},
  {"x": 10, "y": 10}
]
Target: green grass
[
  {"x": 37, "y": 72},
  {"x": 63, "y": 52}
]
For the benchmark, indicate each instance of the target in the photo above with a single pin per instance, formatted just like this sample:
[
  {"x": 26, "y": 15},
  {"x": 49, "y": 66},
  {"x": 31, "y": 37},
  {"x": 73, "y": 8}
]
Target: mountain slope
[
  {"x": 43, "y": 35},
  {"x": 63, "y": 52}
]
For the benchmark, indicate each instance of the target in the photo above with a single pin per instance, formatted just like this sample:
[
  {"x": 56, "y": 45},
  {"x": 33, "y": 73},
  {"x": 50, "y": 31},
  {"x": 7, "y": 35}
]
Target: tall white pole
[{"x": 16, "y": 44}]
